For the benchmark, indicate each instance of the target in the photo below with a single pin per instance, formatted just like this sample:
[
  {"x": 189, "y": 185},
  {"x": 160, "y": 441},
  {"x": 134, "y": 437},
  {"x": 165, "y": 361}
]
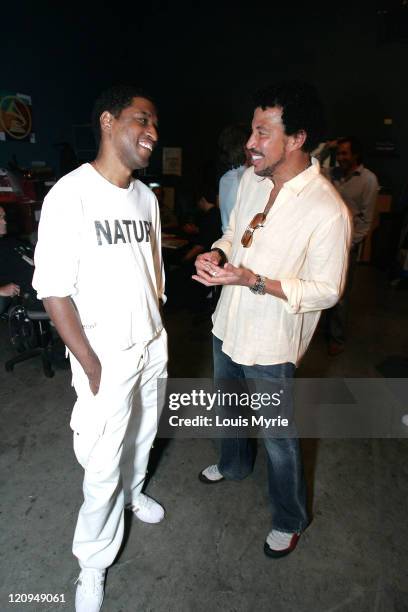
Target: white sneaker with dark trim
[
  {"x": 90, "y": 590},
  {"x": 210, "y": 475},
  {"x": 146, "y": 509},
  {"x": 279, "y": 543}
]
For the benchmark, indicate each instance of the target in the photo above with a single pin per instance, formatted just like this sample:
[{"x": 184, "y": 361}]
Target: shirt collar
[
  {"x": 356, "y": 172},
  {"x": 300, "y": 181}
]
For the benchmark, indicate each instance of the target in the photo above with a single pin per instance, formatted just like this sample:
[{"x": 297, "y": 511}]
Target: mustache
[{"x": 255, "y": 152}]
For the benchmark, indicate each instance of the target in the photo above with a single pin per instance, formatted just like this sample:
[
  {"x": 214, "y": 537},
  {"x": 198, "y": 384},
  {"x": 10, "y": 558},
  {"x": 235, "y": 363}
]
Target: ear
[
  {"x": 297, "y": 140},
  {"x": 106, "y": 121}
]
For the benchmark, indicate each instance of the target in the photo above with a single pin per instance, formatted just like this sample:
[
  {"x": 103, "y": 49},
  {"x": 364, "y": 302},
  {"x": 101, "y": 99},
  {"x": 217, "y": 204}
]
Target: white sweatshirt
[{"x": 101, "y": 245}]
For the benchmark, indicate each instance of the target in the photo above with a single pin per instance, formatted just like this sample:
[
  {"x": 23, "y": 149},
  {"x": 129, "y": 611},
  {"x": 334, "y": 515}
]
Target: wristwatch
[{"x": 259, "y": 286}]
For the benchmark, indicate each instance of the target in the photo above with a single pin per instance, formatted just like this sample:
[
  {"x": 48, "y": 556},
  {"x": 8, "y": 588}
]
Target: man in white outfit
[{"x": 99, "y": 272}]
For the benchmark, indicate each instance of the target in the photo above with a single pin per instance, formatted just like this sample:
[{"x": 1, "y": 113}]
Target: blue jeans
[{"x": 287, "y": 487}]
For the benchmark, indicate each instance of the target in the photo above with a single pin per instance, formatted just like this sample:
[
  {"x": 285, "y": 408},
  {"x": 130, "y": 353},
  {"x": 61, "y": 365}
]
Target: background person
[
  {"x": 358, "y": 187},
  {"x": 234, "y": 160},
  {"x": 16, "y": 266},
  {"x": 181, "y": 289}
]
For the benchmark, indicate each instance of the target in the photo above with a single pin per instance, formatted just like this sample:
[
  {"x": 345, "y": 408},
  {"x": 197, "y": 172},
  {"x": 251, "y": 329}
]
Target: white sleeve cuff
[{"x": 293, "y": 289}]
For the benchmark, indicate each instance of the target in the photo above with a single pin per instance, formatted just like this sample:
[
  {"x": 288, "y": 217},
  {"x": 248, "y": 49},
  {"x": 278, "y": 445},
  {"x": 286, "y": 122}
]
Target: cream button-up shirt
[{"x": 304, "y": 244}]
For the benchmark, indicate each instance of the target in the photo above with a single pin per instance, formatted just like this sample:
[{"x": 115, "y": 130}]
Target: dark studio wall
[
  {"x": 44, "y": 61},
  {"x": 202, "y": 61}
]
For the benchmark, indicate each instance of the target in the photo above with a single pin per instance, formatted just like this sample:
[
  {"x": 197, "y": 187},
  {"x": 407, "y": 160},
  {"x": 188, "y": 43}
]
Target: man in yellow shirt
[{"x": 282, "y": 259}]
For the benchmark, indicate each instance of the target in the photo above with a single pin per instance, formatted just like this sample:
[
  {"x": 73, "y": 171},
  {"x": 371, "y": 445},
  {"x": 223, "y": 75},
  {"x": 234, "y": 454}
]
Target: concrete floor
[{"x": 208, "y": 554}]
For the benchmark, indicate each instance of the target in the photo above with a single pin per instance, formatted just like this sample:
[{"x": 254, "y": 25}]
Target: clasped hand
[{"x": 210, "y": 274}]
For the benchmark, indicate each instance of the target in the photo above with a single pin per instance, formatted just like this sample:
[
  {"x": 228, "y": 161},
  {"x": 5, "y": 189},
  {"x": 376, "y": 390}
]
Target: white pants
[{"x": 113, "y": 433}]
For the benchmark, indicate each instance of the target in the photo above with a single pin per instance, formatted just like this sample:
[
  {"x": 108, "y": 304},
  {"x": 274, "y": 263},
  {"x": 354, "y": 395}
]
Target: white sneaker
[
  {"x": 90, "y": 590},
  {"x": 211, "y": 474},
  {"x": 146, "y": 509},
  {"x": 280, "y": 543}
]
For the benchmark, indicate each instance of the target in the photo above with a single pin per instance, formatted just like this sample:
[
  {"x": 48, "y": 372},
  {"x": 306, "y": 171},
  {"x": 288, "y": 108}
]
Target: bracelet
[
  {"x": 221, "y": 254},
  {"x": 259, "y": 286}
]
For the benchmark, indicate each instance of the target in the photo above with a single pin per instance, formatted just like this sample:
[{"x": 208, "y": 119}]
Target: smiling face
[
  {"x": 133, "y": 133},
  {"x": 3, "y": 222},
  {"x": 347, "y": 160},
  {"x": 268, "y": 141}
]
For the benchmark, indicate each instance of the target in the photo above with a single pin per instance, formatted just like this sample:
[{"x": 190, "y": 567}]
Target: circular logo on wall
[{"x": 15, "y": 117}]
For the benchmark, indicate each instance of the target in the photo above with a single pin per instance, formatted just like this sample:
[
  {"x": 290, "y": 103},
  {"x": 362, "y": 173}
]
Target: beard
[{"x": 269, "y": 171}]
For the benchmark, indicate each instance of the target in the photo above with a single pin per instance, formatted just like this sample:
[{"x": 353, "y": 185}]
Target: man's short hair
[
  {"x": 114, "y": 100},
  {"x": 231, "y": 143},
  {"x": 301, "y": 109},
  {"x": 356, "y": 147}
]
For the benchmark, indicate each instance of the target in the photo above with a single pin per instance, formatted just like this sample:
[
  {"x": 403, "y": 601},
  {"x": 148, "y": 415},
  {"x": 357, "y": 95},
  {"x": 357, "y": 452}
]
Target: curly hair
[
  {"x": 301, "y": 109},
  {"x": 114, "y": 100}
]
